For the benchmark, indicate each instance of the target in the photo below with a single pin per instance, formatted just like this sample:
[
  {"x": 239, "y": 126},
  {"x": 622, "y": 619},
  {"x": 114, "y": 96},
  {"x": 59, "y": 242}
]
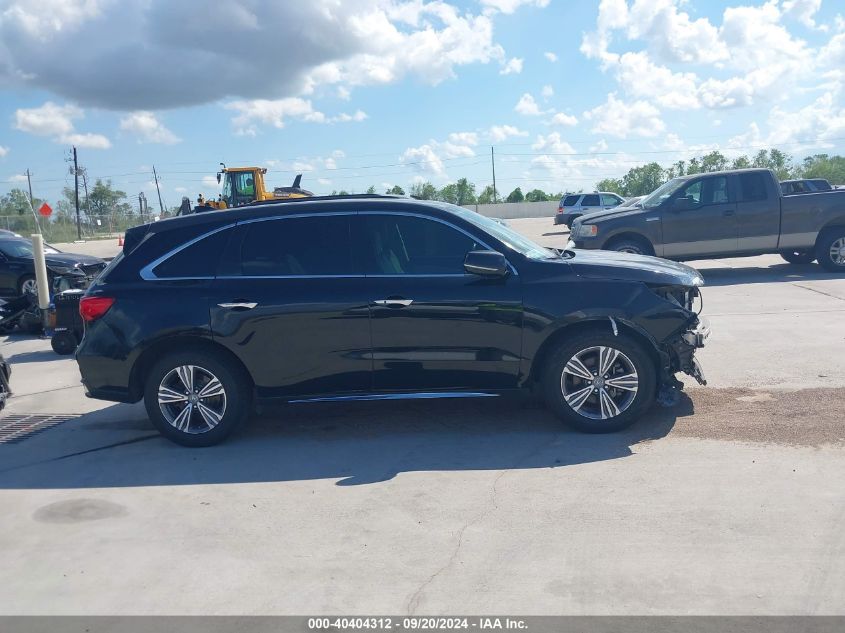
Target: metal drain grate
[{"x": 18, "y": 427}]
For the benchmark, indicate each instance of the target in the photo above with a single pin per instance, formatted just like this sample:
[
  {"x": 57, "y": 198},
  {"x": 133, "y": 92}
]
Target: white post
[{"x": 41, "y": 272}]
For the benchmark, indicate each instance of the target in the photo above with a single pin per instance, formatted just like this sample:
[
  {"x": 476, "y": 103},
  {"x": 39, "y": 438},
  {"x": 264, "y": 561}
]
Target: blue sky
[{"x": 382, "y": 92}]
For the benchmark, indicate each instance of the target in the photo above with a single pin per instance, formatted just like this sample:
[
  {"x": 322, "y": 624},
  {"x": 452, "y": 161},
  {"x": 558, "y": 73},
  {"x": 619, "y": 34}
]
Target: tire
[
  {"x": 830, "y": 250},
  {"x": 64, "y": 343},
  {"x": 799, "y": 257},
  {"x": 630, "y": 245},
  {"x": 577, "y": 357},
  {"x": 226, "y": 407},
  {"x": 26, "y": 284}
]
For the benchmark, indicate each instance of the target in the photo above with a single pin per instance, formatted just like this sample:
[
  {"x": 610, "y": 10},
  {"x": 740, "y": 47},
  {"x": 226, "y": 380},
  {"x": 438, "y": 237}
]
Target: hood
[
  {"x": 68, "y": 260},
  {"x": 612, "y": 214},
  {"x": 630, "y": 267}
]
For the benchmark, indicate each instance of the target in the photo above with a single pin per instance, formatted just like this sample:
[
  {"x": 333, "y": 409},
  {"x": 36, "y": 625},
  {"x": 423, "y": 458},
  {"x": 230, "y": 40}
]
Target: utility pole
[
  {"x": 493, "y": 162},
  {"x": 29, "y": 182},
  {"x": 76, "y": 195},
  {"x": 160, "y": 205}
]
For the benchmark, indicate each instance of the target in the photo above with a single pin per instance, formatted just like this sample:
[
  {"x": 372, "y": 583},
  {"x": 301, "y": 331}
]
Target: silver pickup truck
[{"x": 723, "y": 214}]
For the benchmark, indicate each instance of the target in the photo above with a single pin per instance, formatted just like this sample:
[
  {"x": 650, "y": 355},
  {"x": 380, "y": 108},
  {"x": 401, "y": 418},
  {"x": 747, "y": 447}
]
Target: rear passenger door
[
  {"x": 290, "y": 302},
  {"x": 434, "y": 326},
  {"x": 591, "y": 203},
  {"x": 758, "y": 212}
]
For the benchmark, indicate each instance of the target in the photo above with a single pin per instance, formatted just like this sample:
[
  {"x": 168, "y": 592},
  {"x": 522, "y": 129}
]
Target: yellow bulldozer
[{"x": 245, "y": 185}]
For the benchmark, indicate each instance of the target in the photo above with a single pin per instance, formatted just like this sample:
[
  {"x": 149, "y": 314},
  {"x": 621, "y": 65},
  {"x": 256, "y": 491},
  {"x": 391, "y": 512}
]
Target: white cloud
[
  {"x": 804, "y": 11},
  {"x": 18, "y": 178},
  {"x": 424, "y": 159},
  {"x": 561, "y": 118},
  {"x": 550, "y": 56},
  {"x": 464, "y": 138},
  {"x": 644, "y": 79},
  {"x": 274, "y": 112},
  {"x": 210, "y": 182},
  {"x": 512, "y": 67},
  {"x": 527, "y": 106},
  {"x": 815, "y": 124},
  {"x": 547, "y": 91},
  {"x": 499, "y": 133},
  {"x": 148, "y": 128},
  {"x": 620, "y": 119},
  {"x": 268, "y": 53},
  {"x": 55, "y": 121},
  {"x": 509, "y": 6},
  {"x": 552, "y": 144},
  {"x": 3, "y": 151},
  {"x": 180, "y": 189}
]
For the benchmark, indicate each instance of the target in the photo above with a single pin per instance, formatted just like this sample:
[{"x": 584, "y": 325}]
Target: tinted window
[
  {"x": 608, "y": 200},
  {"x": 570, "y": 201},
  {"x": 753, "y": 187},
  {"x": 200, "y": 259},
  {"x": 707, "y": 191},
  {"x": 590, "y": 201},
  {"x": 397, "y": 245},
  {"x": 318, "y": 245},
  {"x": 821, "y": 184}
]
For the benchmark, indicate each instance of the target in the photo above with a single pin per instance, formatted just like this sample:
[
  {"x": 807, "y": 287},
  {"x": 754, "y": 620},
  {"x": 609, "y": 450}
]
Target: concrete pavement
[{"x": 731, "y": 503}]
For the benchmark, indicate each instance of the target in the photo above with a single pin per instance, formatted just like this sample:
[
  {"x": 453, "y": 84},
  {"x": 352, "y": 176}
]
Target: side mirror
[
  {"x": 486, "y": 264},
  {"x": 683, "y": 204}
]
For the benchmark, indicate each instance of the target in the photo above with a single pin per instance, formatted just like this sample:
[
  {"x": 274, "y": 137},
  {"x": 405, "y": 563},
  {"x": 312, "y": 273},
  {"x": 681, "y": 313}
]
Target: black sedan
[{"x": 17, "y": 268}]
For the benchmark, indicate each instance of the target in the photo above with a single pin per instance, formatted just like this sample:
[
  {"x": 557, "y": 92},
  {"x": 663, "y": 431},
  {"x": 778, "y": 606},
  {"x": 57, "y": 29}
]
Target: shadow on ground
[{"x": 360, "y": 444}]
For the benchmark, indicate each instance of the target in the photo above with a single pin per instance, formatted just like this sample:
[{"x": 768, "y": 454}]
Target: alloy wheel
[
  {"x": 599, "y": 382},
  {"x": 837, "y": 252},
  {"x": 29, "y": 287},
  {"x": 192, "y": 399}
]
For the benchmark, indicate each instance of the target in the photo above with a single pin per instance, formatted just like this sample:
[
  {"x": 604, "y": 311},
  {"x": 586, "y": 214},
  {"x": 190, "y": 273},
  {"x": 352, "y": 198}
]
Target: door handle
[
  {"x": 728, "y": 212},
  {"x": 394, "y": 303},
  {"x": 239, "y": 305}
]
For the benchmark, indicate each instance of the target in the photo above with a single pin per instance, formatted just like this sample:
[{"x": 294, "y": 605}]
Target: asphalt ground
[{"x": 731, "y": 502}]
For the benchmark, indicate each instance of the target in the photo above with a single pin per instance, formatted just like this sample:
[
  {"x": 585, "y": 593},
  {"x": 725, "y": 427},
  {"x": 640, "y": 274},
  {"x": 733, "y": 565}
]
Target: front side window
[
  {"x": 408, "y": 245},
  {"x": 608, "y": 200},
  {"x": 706, "y": 191},
  {"x": 590, "y": 201},
  {"x": 317, "y": 245}
]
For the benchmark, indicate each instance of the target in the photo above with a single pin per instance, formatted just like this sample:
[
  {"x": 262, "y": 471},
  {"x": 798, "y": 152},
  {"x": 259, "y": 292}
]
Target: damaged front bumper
[{"x": 679, "y": 356}]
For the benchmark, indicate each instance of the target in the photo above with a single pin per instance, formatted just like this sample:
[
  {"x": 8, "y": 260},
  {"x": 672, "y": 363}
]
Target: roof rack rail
[{"x": 346, "y": 196}]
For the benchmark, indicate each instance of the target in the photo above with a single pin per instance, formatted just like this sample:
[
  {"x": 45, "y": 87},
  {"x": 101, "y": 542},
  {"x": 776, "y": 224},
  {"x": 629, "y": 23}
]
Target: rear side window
[
  {"x": 195, "y": 261},
  {"x": 821, "y": 184},
  {"x": 590, "y": 201},
  {"x": 569, "y": 201},
  {"x": 752, "y": 187},
  {"x": 317, "y": 245}
]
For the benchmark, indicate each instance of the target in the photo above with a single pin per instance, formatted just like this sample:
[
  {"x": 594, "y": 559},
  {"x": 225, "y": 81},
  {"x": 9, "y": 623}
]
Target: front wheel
[
  {"x": 830, "y": 250},
  {"x": 196, "y": 398},
  {"x": 798, "y": 257},
  {"x": 630, "y": 245},
  {"x": 27, "y": 286},
  {"x": 600, "y": 383}
]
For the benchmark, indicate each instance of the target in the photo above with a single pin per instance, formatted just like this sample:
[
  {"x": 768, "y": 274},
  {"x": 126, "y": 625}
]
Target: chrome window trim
[{"x": 147, "y": 274}]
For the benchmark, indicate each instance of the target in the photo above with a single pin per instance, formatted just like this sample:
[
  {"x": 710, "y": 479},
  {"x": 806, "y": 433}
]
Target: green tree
[
  {"x": 486, "y": 196},
  {"x": 396, "y": 190},
  {"x": 105, "y": 200},
  {"x": 609, "y": 184},
  {"x": 515, "y": 196},
  {"x": 461, "y": 192},
  {"x": 640, "y": 181},
  {"x": 714, "y": 161},
  {"x": 831, "y": 168},
  {"x": 741, "y": 162},
  {"x": 371, "y": 189},
  {"x": 777, "y": 161},
  {"x": 424, "y": 191},
  {"x": 536, "y": 195}
]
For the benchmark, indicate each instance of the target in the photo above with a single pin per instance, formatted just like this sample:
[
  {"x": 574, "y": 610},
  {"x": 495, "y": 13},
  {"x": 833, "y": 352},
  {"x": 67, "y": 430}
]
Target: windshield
[
  {"x": 659, "y": 195},
  {"x": 16, "y": 248},
  {"x": 504, "y": 234}
]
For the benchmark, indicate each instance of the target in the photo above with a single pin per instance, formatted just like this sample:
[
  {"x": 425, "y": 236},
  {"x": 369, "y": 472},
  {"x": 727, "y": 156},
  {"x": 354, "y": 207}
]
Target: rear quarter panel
[{"x": 805, "y": 215}]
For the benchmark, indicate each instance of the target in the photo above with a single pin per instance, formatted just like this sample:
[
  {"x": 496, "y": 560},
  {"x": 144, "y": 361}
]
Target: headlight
[
  {"x": 686, "y": 297},
  {"x": 588, "y": 230},
  {"x": 61, "y": 270}
]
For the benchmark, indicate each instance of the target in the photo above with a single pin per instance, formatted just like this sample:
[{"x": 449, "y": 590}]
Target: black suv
[{"x": 375, "y": 297}]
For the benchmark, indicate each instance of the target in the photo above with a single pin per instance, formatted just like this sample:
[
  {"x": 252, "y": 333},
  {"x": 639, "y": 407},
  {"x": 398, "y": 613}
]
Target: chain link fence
[{"x": 62, "y": 228}]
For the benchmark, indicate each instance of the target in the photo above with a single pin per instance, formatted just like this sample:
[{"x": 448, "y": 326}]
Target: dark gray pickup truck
[{"x": 724, "y": 214}]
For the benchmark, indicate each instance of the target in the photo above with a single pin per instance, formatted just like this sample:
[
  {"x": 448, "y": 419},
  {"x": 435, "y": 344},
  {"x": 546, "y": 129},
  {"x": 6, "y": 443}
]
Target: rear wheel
[
  {"x": 64, "y": 343},
  {"x": 196, "y": 398},
  {"x": 798, "y": 257},
  {"x": 830, "y": 249},
  {"x": 27, "y": 286},
  {"x": 633, "y": 245},
  {"x": 600, "y": 383}
]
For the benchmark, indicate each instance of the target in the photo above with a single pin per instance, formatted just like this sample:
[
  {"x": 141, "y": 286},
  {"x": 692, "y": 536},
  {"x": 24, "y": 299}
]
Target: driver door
[{"x": 706, "y": 224}]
